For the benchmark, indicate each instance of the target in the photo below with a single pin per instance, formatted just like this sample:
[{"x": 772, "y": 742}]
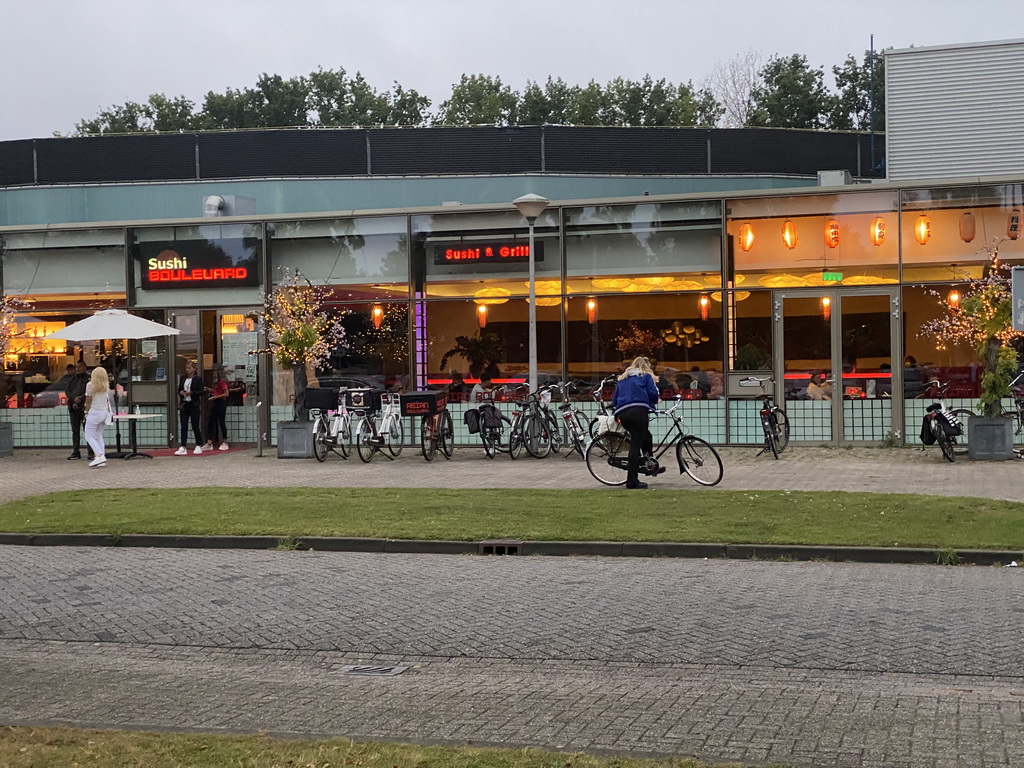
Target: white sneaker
[
  {"x": 183, "y": 451},
  {"x": 99, "y": 461},
  {"x": 223, "y": 447},
  {"x": 198, "y": 450}
]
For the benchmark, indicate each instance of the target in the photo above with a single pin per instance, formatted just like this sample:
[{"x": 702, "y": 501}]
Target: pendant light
[
  {"x": 746, "y": 237},
  {"x": 922, "y": 229},
  {"x": 877, "y": 231},
  {"x": 789, "y": 237}
]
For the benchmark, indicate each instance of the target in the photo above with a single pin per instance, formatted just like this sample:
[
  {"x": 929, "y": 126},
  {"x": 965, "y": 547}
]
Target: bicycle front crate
[
  {"x": 322, "y": 398},
  {"x": 363, "y": 399},
  {"x": 427, "y": 403}
]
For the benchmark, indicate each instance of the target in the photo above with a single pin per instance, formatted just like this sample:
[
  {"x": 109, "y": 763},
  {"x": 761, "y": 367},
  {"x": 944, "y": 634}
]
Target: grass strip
[
  {"x": 63, "y": 747},
  {"x": 735, "y": 517}
]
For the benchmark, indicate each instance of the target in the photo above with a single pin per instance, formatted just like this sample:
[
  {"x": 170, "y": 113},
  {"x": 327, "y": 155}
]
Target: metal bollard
[{"x": 260, "y": 436}]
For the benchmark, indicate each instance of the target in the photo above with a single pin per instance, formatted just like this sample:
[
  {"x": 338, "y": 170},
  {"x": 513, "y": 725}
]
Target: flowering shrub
[{"x": 635, "y": 341}]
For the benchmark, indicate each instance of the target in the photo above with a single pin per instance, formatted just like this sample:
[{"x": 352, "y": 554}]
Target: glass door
[{"x": 834, "y": 357}]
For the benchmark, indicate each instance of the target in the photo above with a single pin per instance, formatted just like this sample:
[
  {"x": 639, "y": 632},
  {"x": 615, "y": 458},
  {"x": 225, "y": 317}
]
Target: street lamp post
[{"x": 531, "y": 206}]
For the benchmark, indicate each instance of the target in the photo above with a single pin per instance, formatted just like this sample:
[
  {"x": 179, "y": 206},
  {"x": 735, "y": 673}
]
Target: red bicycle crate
[{"x": 425, "y": 403}]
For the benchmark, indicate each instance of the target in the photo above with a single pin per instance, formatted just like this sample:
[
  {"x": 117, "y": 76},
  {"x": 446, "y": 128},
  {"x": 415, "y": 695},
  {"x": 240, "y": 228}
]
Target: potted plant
[
  {"x": 983, "y": 318},
  {"x": 477, "y": 350},
  {"x": 8, "y": 333},
  {"x": 300, "y": 334}
]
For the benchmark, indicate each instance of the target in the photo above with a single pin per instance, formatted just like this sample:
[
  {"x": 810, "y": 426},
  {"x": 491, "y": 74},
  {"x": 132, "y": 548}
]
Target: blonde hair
[
  {"x": 99, "y": 382},
  {"x": 639, "y": 362}
]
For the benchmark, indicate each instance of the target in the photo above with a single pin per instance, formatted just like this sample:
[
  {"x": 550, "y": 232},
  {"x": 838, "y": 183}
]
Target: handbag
[
  {"x": 110, "y": 413},
  {"x": 606, "y": 422}
]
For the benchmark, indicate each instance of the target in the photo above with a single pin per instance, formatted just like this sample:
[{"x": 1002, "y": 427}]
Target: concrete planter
[
  {"x": 6, "y": 438},
  {"x": 990, "y": 439},
  {"x": 294, "y": 439}
]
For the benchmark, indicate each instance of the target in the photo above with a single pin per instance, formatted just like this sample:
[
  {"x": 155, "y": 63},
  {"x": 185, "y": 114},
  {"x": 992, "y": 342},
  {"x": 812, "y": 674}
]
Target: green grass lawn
[
  {"x": 759, "y": 517},
  {"x": 64, "y": 747}
]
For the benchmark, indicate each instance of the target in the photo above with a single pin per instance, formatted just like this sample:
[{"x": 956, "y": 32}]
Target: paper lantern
[
  {"x": 378, "y": 316},
  {"x": 922, "y": 229},
  {"x": 1013, "y": 224},
  {"x": 746, "y": 237},
  {"x": 877, "y": 231},
  {"x": 789, "y": 237},
  {"x": 826, "y": 307},
  {"x": 953, "y": 298},
  {"x": 832, "y": 233},
  {"x": 481, "y": 315},
  {"x": 703, "y": 303},
  {"x": 967, "y": 226},
  {"x": 591, "y": 311}
]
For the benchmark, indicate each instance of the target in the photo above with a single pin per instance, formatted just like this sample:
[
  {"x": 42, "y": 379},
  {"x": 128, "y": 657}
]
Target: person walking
[
  {"x": 217, "y": 422},
  {"x": 636, "y": 395},
  {"x": 190, "y": 393},
  {"x": 98, "y": 414},
  {"x": 75, "y": 391}
]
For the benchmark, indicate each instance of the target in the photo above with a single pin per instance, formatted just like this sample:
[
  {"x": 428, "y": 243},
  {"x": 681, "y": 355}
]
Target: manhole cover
[{"x": 361, "y": 669}]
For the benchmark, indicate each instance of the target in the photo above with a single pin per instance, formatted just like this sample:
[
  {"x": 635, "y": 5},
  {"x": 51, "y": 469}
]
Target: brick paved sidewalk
[{"x": 895, "y": 470}]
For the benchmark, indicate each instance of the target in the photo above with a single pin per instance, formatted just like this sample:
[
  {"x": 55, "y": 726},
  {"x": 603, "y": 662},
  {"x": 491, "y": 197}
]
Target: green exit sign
[{"x": 834, "y": 277}]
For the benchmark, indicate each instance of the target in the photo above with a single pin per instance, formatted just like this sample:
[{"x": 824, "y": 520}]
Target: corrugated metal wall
[{"x": 955, "y": 111}]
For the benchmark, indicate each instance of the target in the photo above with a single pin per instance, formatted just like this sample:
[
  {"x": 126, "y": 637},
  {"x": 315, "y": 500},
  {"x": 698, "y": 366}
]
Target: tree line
[{"x": 746, "y": 90}]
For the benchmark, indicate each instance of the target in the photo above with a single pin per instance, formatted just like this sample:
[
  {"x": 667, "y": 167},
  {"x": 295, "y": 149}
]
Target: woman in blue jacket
[{"x": 636, "y": 395}]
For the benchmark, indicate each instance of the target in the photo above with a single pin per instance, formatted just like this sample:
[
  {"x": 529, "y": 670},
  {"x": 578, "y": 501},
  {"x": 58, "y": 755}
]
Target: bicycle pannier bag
[
  {"x": 607, "y": 423},
  {"x": 950, "y": 424},
  {"x": 490, "y": 417},
  {"x": 472, "y": 421},
  {"x": 927, "y": 436}
]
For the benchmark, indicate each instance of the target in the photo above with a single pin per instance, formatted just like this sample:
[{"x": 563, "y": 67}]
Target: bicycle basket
[
  {"x": 490, "y": 416},
  {"x": 321, "y": 398},
  {"x": 363, "y": 399}
]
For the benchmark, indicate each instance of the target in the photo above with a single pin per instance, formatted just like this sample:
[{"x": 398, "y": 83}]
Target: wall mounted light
[
  {"x": 746, "y": 237},
  {"x": 789, "y": 234},
  {"x": 481, "y": 315},
  {"x": 968, "y": 227},
  {"x": 826, "y": 307},
  {"x": 922, "y": 229},
  {"x": 378, "y": 316},
  {"x": 1013, "y": 224},
  {"x": 831, "y": 233},
  {"x": 704, "y": 303},
  {"x": 591, "y": 311},
  {"x": 877, "y": 231}
]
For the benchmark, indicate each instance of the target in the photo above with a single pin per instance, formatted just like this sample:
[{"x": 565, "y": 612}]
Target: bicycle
[
  {"x": 492, "y": 429},
  {"x": 372, "y": 438},
  {"x": 774, "y": 421},
  {"x": 604, "y": 407},
  {"x": 332, "y": 429},
  {"x": 608, "y": 455},
  {"x": 1016, "y": 413},
  {"x": 572, "y": 418},
  {"x": 956, "y": 419},
  {"x": 533, "y": 425},
  {"x": 437, "y": 432}
]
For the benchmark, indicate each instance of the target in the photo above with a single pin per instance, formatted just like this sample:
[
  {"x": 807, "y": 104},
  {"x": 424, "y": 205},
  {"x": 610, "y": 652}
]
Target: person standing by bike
[{"x": 636, "y": 395}]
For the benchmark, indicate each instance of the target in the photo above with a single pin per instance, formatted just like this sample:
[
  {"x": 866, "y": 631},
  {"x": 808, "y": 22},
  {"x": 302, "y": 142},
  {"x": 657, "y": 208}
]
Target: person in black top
[
  {"x": 75, "y": 391},
  {"x": 190, "y": 393}
]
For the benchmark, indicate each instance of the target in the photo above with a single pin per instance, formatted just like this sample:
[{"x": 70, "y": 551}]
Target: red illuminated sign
[
  {"x": 222, "y": 263},
  {"x": 486, "y": 253},
  {"x": 183, "y": 275}
]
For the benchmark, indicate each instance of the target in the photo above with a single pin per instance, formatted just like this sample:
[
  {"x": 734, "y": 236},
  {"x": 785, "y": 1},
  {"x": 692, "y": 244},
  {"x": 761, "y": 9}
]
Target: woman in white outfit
[{"x": 97, "y": 406}]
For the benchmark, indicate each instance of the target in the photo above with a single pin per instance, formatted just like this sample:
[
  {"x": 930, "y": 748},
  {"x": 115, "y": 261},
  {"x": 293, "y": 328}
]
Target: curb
[{"x": 513, "y": 547}]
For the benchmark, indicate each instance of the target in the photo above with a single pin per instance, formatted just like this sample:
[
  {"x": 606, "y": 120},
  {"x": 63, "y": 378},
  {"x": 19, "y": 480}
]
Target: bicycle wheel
[
  {"x": 606, "y": 458},
  {"x": 944, "y": 442},
  {"x": 536, "y": 436},
  {"x": 446, "y": 435},
  {"x": 769, "y": 436},
  {"x": 428, "y": 440},
  {"x": 364, "y": 440},
  {"x": 344, "y": 438},
  {"x": 576, "y": 434},
  {"x": 320, "y": 439},
  {"x": 515, "y": 436},
  {"x": 592, "y": 428},
  {"x": 489, "y": 438},
  {"x": 396, "y": 436},
  {"x": 554, "y": 431},
  {"x": 960, "y": 443},
  {"x": 781, "y": 428},
  {"x": 699, "y": 460}
]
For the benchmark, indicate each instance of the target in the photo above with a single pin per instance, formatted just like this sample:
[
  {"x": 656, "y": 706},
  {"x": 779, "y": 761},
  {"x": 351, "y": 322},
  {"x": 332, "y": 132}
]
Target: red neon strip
[{"x": 477, "y": 381}]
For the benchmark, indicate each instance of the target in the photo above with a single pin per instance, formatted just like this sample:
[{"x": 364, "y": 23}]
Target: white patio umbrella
[{"x": 113, "y": 324}]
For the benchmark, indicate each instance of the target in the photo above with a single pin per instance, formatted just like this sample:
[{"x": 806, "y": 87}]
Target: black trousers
[
  {"x": 636, "y": 420},
  {"x": 217, "y": 420},
  {"x": 191, "y": 412},
  {"x": 77, "y": 417}
]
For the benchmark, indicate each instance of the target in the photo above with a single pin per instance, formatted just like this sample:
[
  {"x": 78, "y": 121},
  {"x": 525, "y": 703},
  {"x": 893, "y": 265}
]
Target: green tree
[
  {"x": 590, "y": 106},
  {"x": 338, "y": 100},
  {"x": 854, "y": 83},
  {"x": 160, "y": 113},
  {"x": 791, "y": 94},
  {"x": 552, "y": 104},
  {"x": 479, "y": 100},
  {"x": 407, "y": 107}
]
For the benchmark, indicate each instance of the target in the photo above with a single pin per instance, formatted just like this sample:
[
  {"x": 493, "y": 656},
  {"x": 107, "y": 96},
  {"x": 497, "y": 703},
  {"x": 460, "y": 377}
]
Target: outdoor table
[{"x": 131, "y": 418}]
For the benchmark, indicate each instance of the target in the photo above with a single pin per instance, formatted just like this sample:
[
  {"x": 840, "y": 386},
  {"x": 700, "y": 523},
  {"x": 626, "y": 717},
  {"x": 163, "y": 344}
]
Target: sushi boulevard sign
[{"x": 197, "y": 264}]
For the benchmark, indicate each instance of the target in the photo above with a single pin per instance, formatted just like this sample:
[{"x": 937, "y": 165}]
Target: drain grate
[
  {"x": 363, "y": 669},
  {"x": 500, "y": 547}
]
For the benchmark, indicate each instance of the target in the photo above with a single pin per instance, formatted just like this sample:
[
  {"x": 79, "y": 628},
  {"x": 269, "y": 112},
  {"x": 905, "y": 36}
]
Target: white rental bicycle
[
  {"x": 332, "y": 427},
  {"x": 387, "y": 435}
]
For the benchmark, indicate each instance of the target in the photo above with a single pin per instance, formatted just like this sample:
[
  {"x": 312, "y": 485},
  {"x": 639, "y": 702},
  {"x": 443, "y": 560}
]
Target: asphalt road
[{"x": 810, "y": 664}]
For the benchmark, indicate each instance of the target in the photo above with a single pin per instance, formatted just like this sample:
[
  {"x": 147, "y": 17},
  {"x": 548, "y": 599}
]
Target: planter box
[
  {"x": 294, "y": 439},
  {"x": 990, "y": 439},
  {"x": 6, "y": 438}
]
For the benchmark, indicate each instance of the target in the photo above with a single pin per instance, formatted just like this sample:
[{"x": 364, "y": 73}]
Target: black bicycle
[
  {"x": 773, "y": 419},
  {"x": 608, "y": 454}
]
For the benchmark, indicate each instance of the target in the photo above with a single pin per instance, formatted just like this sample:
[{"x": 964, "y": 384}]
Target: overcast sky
[{"x": 65, "y": 60}]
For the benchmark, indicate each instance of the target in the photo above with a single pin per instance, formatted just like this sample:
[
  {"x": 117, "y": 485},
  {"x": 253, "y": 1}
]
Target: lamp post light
[{"x": 531, "y": 206}]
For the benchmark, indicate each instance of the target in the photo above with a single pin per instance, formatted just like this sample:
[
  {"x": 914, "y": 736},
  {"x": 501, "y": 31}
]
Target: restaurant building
[{"x": 719, "y": 253}]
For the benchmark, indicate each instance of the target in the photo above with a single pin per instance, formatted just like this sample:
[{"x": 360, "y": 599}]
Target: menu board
[{"x": 239, "y": 364}]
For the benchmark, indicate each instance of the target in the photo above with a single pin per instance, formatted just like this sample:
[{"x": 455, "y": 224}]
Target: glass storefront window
[
  {"x": 643, "y": 248},
  {"x": 485, "y": 255},
  {"x": 950, "y": 234},
  {"x": 813, "y": 241},
  {"x": 361, "y": 259},
  {"x": 750, "y": 345}
]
